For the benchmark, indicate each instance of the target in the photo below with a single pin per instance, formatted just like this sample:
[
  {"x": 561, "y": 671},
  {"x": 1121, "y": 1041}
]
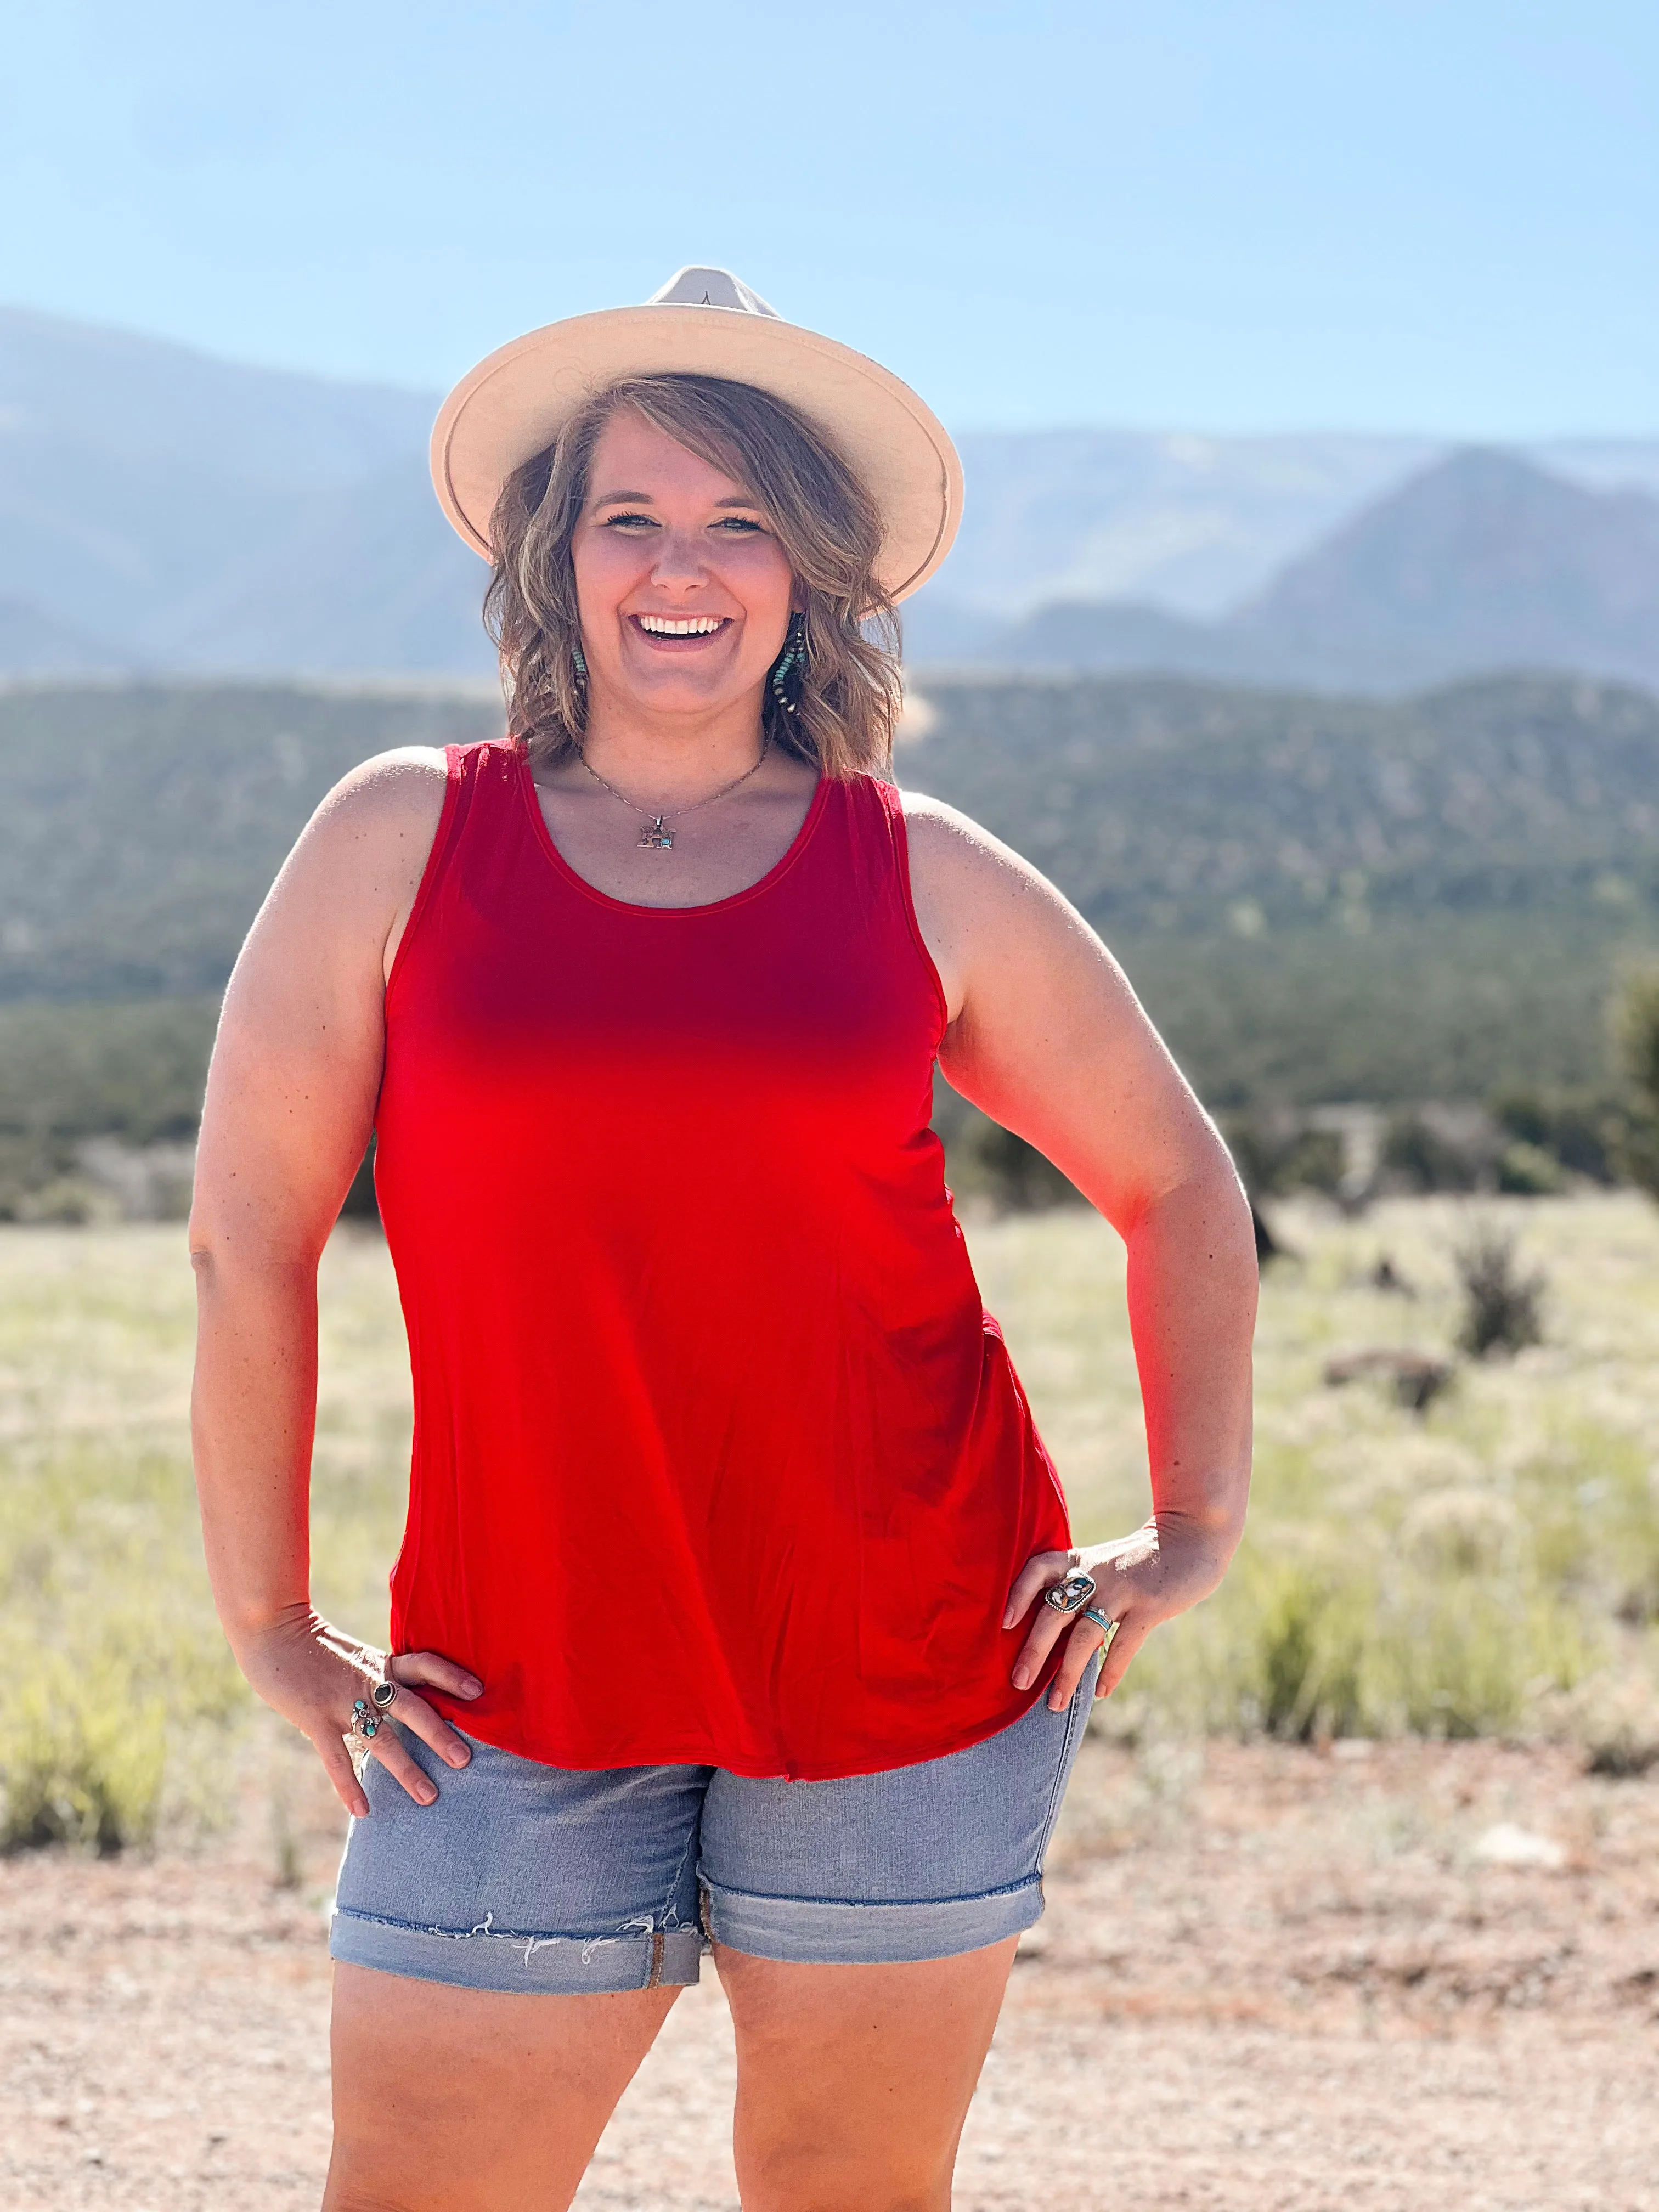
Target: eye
[
  {"x": 626, "y": 521},
  {"x": 740, "y": 524}
]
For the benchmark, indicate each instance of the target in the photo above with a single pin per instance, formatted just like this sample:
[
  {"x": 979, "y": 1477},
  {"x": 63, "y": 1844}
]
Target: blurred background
[{"x": 1304, "y": 627}]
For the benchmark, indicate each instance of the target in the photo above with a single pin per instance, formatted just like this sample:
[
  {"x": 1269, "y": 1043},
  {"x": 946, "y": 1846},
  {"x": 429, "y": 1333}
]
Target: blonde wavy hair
[{"x": 826, "y": 521}]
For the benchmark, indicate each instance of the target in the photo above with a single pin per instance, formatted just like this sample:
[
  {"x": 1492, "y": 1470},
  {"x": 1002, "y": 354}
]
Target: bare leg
[
  {"x": 468, "y": 2100},
  {"x": 854, "y": 2082}
]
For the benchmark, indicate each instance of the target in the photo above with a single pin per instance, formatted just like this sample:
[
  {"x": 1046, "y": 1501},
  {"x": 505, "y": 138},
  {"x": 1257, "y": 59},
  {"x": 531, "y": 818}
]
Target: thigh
[
  {"x": 524, "y": 1879},
  {"x": 854, "y": 2082},
  {"x": 503, "y": 1961},
  {"x": 452, "y": 2100},
  {"x": 864, "y": 1929},
  {"x": 916, "y": 1863}
]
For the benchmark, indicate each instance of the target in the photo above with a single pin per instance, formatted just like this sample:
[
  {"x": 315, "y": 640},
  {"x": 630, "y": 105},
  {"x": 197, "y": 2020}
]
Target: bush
[
  {"x": 115, "y": 1683},
  {"x": 1636, "y": 1034},
  {"x": 1417, "y": 1157},
  {"x": 1318, "y": 1633},
  {"x": 989, "y": 1165},
  {"x": 1577, "y": 1130},
  {"x": 1527, "y": 1170},
  {"x": 1500, "y": 1305},
  {"x": 1277, "y": 1155},
  {"x": 69, "y": 1073}
]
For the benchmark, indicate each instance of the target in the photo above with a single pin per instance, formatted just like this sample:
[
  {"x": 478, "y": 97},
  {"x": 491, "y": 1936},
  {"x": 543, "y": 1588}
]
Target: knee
[
  {"x": 347, "y": 2192},
  {"x": 798, "y": 2180}
]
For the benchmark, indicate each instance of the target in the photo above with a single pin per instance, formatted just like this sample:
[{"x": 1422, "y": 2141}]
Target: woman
[{"x": 737, "y": 1607}]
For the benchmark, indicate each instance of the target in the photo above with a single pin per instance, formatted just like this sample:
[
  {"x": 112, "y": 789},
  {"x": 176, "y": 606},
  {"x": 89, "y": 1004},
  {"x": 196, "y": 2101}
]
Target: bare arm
[
  {"x": 290, "y": 1103},
  {"x": 1046, "y": 1035}
]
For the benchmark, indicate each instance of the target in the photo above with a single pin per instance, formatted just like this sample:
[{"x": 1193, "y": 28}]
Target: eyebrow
[{"x": 644, "y": 498}]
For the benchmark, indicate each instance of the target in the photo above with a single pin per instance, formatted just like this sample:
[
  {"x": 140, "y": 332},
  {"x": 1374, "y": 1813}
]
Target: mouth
[{"x": 680, "y": 632}]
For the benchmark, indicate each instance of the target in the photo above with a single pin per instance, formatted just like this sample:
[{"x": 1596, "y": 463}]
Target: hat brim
[{"x": 514, "y": 403}]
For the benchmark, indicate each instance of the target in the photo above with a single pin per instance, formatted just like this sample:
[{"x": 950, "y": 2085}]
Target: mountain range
[
  {"x": 1318, "y": 899},
  {"x": 1482, "y": 561},
  {"x": 163, "y": 511}
]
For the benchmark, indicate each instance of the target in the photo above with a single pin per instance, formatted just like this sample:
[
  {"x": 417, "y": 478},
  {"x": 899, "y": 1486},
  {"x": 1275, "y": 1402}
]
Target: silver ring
[
  {"x": 1073, "y": 1594},
  {"x": 364, "y": 1724},
  {"x": 1104, "y": 1622},
  {"x": 382, "y": 1694}
]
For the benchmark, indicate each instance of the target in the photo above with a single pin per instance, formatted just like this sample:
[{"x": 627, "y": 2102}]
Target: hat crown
[{"x": 711, "y": 288}]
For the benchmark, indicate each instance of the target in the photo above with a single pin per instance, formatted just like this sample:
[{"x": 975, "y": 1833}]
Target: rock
[
  {"x": 1415, "y": 1376},
  {"x": 1505, "y": 1845}
]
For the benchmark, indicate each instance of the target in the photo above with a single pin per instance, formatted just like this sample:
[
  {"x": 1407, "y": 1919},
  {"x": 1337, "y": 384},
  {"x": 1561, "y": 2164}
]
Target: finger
[
  {"x": 415, "y": 1714},
  {"x": 1085, "y": 1639},
  {"x": 385, "y": 1747},
  {"x": 1040, "y": 1571},
  {"x": 1046, "y": 1630},
  {"x": 435, "y": 1671},
  {"x": 1125, "y": 1644},
  {"x": 336, "y": 1762}
]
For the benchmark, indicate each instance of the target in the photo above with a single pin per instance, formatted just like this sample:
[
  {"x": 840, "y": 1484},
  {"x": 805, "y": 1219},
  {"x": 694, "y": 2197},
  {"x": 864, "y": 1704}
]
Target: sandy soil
[{"x": 1267, "y": 1979}]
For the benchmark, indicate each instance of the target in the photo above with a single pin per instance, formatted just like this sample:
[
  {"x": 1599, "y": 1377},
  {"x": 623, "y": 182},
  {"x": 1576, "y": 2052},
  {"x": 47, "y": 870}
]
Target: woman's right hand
[{"x": 312, "y": 1676}]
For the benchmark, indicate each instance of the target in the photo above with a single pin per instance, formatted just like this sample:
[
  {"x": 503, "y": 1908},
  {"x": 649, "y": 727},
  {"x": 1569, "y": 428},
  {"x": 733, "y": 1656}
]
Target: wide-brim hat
[{"x": 704, "y": 322}]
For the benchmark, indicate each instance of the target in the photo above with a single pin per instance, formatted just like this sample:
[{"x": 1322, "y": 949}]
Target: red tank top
[{"x": 717, "y": 1457}]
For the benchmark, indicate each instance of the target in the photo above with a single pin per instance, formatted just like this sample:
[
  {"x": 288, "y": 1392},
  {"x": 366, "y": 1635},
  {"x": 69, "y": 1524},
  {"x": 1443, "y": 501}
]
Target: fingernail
[
  {"x": 1022, "y": 1678},
  {"x": 472, "y": 1687},
  {"x": 459, "y": 1756},
  {"x": 427, "y": 1794},
  {"x": 1008, "y": 1617}
]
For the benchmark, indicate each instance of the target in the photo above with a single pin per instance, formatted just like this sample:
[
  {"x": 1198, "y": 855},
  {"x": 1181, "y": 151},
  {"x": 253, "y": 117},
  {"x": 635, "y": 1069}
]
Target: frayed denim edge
[{"x": 644, "y": 1937}]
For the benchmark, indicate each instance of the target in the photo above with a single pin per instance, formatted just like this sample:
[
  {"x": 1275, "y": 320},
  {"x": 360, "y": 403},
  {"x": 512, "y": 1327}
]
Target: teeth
[{"x": 687, "y": 626}]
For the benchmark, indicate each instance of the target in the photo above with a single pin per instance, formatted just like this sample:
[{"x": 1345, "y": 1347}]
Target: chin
[{"x": 675, "y": 694}]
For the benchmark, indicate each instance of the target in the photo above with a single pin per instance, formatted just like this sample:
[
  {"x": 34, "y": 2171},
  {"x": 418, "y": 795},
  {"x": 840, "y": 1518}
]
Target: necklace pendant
[{"x": 655, "y": 838}]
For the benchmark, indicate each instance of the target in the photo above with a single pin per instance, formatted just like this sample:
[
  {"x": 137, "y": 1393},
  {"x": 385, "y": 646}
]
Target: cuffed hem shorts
[{"x": 545, "y": 1879}]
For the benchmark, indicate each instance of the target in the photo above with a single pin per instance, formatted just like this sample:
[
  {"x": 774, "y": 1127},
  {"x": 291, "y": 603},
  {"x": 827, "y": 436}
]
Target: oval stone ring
[
  {"x": 383, "y": 1693},
  {"x": 1070, "y": 1595}
]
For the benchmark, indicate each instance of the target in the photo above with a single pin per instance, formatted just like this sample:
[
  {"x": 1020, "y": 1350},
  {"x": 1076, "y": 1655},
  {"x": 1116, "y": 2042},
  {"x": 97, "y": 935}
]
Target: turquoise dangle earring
[
  {"x": 579, "y": 665},
  {"x": 790, "y": 666}
]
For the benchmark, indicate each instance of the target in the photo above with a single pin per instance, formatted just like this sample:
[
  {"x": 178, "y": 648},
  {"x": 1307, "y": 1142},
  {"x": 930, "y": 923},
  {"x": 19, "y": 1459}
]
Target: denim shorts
[{"x": 533, "y": 1878}]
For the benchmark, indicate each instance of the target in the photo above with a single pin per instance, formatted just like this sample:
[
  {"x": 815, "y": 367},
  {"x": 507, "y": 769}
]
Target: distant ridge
[
  {"x": 181, "y": 512},
  {"x": 1481, "y": 562},
  {"x": 162, "y": 509}
]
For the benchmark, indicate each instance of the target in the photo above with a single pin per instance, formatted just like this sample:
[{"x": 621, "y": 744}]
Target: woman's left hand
[{"x": 1140, "y": 1580}]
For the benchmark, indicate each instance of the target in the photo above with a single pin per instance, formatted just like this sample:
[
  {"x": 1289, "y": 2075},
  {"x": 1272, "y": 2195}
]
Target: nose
[{"x": 679, "y": 565}]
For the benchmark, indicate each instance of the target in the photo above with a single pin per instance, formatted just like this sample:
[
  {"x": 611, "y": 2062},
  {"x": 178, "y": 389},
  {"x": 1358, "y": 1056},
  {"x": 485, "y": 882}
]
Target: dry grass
[{"x": 1490, "y": 1566}]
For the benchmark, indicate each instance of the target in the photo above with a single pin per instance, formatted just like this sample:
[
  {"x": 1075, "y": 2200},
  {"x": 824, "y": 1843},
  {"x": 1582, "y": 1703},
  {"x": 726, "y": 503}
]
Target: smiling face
[{"x": 683, "y": 593}]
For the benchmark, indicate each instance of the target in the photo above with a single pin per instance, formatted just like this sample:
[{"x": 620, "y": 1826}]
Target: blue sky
[{"x": 1434, "y": 214}]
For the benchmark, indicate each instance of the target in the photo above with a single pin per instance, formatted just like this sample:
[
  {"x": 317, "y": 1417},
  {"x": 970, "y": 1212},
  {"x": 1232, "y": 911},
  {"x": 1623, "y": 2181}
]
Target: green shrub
[
  {"x": 1578, "y": 1131},
  {"x": 1279, "y": 1155},
  {"x": 1416, "y": 1156},
  {"x": 1501, "y": 1307},
  {"x": 115, "y": 1682}
]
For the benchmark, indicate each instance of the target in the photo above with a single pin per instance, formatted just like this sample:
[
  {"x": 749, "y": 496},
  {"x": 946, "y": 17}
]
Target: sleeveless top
[{"x": 717, "y": 1458}]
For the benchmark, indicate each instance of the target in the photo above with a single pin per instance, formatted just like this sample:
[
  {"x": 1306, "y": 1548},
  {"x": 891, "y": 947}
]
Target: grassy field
[{"x": 1490, "y": 1566}]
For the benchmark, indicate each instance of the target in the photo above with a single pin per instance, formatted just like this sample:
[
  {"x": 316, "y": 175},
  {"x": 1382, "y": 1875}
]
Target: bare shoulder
[
  {"x": 953, "y": 854},
  {"x": 391, "y": 796},
  {"x": 371, "y": 833},
  {"x": 971, "y": 890},
  {"x": 346, "y": 890}
]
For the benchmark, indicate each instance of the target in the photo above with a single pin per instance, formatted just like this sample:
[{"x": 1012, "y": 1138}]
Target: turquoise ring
[{"x": 1102, "y": 1621}]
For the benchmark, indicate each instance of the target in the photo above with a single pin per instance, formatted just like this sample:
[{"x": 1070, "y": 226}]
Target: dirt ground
[{"x": 1393, "y": 1977}]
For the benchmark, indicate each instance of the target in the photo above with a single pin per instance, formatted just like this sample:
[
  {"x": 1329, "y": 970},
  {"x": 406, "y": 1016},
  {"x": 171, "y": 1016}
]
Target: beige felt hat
[{"x": 704, "y": 322}]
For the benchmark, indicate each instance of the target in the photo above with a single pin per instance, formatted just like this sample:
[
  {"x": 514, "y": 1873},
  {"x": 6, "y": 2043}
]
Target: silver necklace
[{"x": 656, "y": 836}]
